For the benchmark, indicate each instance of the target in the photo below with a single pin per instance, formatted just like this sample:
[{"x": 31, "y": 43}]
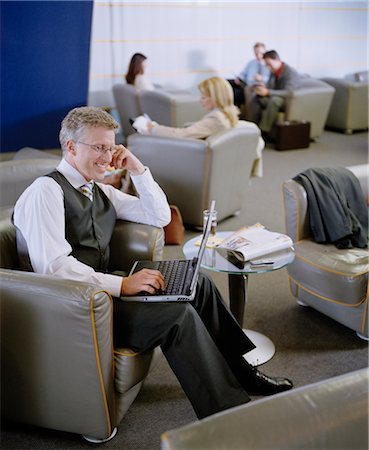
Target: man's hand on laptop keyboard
[{"x": 147, "y": 280}]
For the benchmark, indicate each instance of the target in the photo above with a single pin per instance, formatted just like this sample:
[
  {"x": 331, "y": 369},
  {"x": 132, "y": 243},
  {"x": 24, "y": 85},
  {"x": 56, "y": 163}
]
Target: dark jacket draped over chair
[{"x": 338, "y": 212}]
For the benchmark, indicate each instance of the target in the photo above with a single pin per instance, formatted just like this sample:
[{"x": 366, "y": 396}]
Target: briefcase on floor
[{"x": 291, "y": 135}]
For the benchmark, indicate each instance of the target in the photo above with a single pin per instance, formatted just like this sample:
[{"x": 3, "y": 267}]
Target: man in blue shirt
[
  {"x": 271, "y": 98},
  {"x": 255, "y": 72}
]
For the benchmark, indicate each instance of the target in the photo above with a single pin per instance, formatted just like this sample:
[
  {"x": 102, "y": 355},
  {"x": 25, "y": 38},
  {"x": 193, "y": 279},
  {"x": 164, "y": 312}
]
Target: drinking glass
[{"x": 213, "y": 229}]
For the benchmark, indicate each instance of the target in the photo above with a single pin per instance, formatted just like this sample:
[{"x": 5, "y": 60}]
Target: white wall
[{"x": 188, "y": 41}]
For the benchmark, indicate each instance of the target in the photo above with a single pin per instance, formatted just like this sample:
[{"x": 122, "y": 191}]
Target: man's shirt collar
[
  {"x": 278, "y": 73},
  {"x": 71, "y": 174}
]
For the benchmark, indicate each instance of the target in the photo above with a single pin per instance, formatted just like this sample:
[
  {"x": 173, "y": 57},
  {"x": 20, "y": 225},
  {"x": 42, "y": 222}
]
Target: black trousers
[
  {"x": 238, "y": 93},
  {"x": 201, "y": 341}
]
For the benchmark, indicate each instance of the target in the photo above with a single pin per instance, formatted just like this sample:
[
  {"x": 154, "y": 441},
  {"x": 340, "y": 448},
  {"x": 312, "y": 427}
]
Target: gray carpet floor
[{"x": 309, "y": 346}]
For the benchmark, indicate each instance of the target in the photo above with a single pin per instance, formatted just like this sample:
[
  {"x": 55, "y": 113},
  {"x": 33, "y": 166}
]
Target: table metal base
[{"x": 264, "y": 350}]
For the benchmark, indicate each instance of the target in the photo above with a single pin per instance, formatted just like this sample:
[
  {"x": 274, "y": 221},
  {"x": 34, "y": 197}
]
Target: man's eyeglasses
[{"x": 101, "y": 149}]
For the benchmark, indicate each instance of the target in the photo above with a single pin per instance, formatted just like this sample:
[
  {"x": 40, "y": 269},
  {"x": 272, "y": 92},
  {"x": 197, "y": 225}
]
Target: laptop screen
[{"x": 205, "y": 236}]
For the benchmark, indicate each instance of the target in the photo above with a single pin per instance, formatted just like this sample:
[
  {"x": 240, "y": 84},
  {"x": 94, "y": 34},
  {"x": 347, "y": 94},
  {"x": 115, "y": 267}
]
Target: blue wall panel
[{"x": 45, "y": 48}]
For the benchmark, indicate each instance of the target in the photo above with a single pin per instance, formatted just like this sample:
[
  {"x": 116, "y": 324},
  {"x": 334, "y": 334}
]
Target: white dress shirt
[
  {"x": 143, "y": 83},
  {"x": 252, "y": 68},
  {"x": 39, "y": 214}
]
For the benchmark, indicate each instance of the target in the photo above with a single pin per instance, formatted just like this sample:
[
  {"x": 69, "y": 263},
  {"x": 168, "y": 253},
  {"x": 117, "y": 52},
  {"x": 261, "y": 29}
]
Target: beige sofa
[
  {"x": 349, "y": 109},
  {"x": 59, "y": 367},
  {"x": 192, "y": 172},
  {"x": 333, "y": 281},
  {"x": 328, "y": 415}
]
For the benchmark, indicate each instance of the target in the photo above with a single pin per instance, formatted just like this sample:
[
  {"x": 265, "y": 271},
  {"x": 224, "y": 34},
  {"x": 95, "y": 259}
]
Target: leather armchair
[
  {"x": 127, "y": 102},
  {"x": 310, "y": 102},
  {"x": 174, "y": 109},
  {"x": 192, "y": 172},
  {"x": 310, "y": 417},
  {"x": 349, "y": 109},
  {"x": 333, "y": 281},
  {"x": 59, "y": 366}
]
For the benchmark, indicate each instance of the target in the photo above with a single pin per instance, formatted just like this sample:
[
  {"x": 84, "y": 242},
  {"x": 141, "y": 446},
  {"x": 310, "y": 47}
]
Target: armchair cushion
[{"x": 341, "y": 277}]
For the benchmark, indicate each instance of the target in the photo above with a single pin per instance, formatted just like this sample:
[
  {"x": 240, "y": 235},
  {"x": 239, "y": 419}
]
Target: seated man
[
  {"x": 255, "y": 72},
  {"x": 271, "y": 98},
  {"x": 66, "y": 220}
]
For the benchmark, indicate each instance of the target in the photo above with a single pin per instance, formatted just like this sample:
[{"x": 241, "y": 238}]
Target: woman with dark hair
[{"x": 136, "y": 73}]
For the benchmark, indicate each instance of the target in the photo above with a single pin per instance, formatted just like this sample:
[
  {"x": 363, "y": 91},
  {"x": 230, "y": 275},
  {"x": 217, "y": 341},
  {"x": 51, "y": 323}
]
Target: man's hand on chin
[{"x": 124, "y": 159}]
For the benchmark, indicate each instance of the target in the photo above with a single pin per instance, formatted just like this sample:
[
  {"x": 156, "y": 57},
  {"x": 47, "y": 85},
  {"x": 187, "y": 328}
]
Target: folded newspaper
[{"x": 253, "y": 242}]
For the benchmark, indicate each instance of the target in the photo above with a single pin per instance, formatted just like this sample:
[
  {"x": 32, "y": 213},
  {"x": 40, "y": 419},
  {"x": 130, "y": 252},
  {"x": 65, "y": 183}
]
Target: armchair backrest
[
  {"x": 16, "y": 176},
  {"x": 297, "y": 208},
  {"x": 171, "y": 109},
  {"x": 233, "y": 153},
  {"x": 130, "y": 242},
  {"x": 126, "y": 98},
  {"x": 192, "y": 171}
]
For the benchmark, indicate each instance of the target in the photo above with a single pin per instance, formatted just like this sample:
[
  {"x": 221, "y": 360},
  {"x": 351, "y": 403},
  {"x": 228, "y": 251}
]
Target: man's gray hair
[{"x": 78, "y": 119}]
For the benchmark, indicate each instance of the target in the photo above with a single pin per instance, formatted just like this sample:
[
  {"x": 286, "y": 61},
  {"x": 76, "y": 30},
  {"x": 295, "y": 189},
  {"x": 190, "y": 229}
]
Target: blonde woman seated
[{"x": 217, "y": 99}]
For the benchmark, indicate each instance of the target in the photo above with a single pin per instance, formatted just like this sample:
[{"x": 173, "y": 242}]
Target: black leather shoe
[{"x": 261, "y": 384}]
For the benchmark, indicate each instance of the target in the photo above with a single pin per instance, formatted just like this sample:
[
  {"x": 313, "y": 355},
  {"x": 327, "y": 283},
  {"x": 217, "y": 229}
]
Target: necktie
[{"x": 87, "y": 190}]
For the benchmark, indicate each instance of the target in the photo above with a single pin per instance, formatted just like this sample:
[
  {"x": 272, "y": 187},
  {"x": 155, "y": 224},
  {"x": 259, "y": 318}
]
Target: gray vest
[{"x": 88, "y": 226}]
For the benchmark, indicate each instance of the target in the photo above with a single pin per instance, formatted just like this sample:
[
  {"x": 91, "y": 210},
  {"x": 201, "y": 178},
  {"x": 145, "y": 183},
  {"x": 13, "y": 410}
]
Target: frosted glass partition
[{"x": 188, "y": 41}]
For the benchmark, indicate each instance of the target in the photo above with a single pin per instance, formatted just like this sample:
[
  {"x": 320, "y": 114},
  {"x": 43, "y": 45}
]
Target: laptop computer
[{"x": 180, "y": 275}]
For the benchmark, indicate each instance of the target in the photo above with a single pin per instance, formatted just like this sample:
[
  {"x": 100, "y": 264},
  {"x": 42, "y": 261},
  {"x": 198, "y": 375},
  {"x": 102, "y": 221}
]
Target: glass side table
[{"x": 237, "y": 285}]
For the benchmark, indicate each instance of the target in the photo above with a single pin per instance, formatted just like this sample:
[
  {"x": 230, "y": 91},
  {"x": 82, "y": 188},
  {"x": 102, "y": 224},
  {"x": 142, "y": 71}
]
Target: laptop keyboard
[{"x": 174, "y": 273}]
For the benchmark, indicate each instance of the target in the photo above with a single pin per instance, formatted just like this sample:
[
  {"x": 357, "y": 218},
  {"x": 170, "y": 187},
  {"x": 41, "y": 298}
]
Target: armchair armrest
[
  {"x": 56, "y": 353},
  {"x": 296, "y": 210},
  {"x": 134, "y": 241}
]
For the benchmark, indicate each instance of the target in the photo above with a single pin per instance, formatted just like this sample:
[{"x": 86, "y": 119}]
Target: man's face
[
  {"x": 259, "y": 53},
  {"x": 90, "y": 162},
  {"x": 273, "y": 64}
]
